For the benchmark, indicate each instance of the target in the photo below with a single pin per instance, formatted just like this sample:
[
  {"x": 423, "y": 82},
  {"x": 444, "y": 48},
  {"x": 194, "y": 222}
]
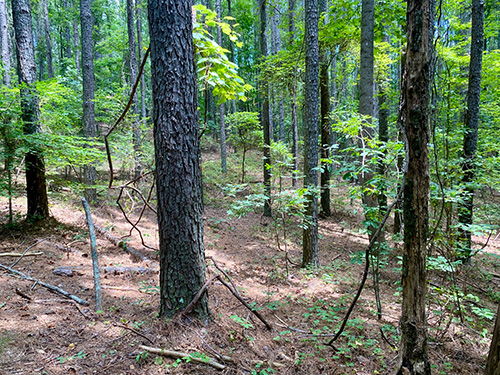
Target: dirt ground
[{"x": 42, "y": 332}]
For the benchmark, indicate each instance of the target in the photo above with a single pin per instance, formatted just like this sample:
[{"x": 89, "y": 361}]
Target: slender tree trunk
[
  {"x": 36, "y": 188},
  {"x": 265, "y": 115},
  {"x": 465, "y": 217},
  {"x": 279, "y": 135},
  {"x": 366, "y": 103},
  {"x": 295, "y": 122},
  {"x": 133, "y": 77},
  {"x": 178, "y": 177},
  {"x": 325, "y": 123},
  {"x": 48, "y": 40},
  {"x": 76, "y": 46},
  {"x": 138, "y": 9},
  {"x": 88, "y": 119},
  {"x": 493, "y": 363},
  {"x": 311, "y": 133},
  {"x": 67, "y": 33},
  {"x": 223, "y": 151},
  {"x": 413, "y": 345},
  {"x": 4, "y": 40}
]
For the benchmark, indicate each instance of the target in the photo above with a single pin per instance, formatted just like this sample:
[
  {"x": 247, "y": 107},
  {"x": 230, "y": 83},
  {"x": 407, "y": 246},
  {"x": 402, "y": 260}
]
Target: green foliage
[
  {"x": 245, "y": 323},
  {"x": 213, "y": 66}
]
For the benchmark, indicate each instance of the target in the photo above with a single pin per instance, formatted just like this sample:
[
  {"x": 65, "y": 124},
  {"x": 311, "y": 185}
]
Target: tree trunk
[
  {"x": 493, "y": 363},
  {"x": 223, "y": 151},
  {"x": 138, "y": 9},
  {"x": 48, "y": 40},
  {"x": 311, "y": 133},
  {"x": 4, "y": 40},
  {"x": 265, "y": 115},
  {"x": 76, "y": 46},
  {"x": 67, "y": 33},
  {"x": 465, "y": 217},
  {"x": 366, "y": 105},
  {"x": 178, "y": 177},
  {"x": 325, "y": 124},
  {"x": 88, "y": 119},
  {"x": 413, "y": 345},
  {"x": 36, "y": 188},
  {"x": 136, "y": 127},
  {"x": 295, "y": 125},
  {"x": 279, "y": 135}
]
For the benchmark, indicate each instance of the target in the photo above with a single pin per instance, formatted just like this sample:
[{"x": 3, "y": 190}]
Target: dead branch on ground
[{"x": 181, "y": 355}]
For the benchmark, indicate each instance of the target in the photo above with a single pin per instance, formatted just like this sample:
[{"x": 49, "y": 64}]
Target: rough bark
[
  {"x": 88, "y": 118},
  {"x": 413, "y": 345},
  {"x": 136, "y": 125},
  {"x": 265, "y": 117},
  {"x": 48, "y": 39},
  {"x": 493, "y": 363},
  {"x": 36, "y": 188},
  {"x": 178, "y": 177},
  {"x": 4, "y": 40},
  {"x": 311, "y": 133},
  {"x": 366, "y": 102},
  {"x": 325, "y": 123},
  {"x": 279, "y": 135},
  {"x": 222, "y": 122},
  {"x": 465, "y": 217}
]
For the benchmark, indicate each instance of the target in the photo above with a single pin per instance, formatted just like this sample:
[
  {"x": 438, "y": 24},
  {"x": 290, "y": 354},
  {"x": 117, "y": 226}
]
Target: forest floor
[{"x": 45, "y": 333}]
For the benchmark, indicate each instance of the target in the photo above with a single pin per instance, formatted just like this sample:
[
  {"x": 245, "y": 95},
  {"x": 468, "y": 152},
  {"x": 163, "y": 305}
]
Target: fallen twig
[
  {"x": 20, "y": 255},
  {"x": 136, "y": 332},
  {"x": 19, "y": 293},
  {"x": 121, "y": 244},
  {"x": 29, "y": 248},
  {"x": 48, "y": 286},
  {"x": 175, "y": 354},
  {"x": 198, "y": 295}
]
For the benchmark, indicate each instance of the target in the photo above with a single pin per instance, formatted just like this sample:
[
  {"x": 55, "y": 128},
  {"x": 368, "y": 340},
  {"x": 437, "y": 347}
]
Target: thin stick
[
  {"x": 136, "y": 332},
  {"x": 198, "y": 295},
  {"x": 95, "y": 263},
  {"x": 20, "y": 255},
  {"x": 224, "y": 273},
  {"x": 45, "y": 285},
  {"x": 236, "y": 294},
  {"x": 28, "y": 248},
  {"x": 175, "y": 354}
]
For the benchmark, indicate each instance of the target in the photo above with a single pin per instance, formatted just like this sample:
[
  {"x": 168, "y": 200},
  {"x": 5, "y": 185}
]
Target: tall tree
[
  {"x": 36, "y": 187},
  {"x": 413, "y": 345},
  {"x": 178, "y": 177},
  {"x": 223, "y": 153},
  {"x": 295, "y": 122},
  {"x": 493, "y": 363},
  {"x": 48, "y": 39},
  {"x": 133, "y": 76},
  {"x": 138, "y": 8},
  {"x": 471, "y": 126},
  {"x": 325, "y": 123},
  {"x": 366, "y": 100},
  {"x": 4, "y": 40},
  {"x": 88, "y": 118},
  {"x": 76, "y": 46},
  {"x": 265, "y": 113},
  {"x": 311, "y": 133},
  {"x": 279, "y": 125}
]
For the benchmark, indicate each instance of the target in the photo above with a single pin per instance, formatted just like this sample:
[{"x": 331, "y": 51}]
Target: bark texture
[
  {"x": 413, "y": 345},
  {"x": 325, "y": 123},
  {"x": 265, "y": 117},
  {"x": 178, "y": 177},
  {"x": 311, "y": 132},
  {"x": 471, "y": 125},
  {"x": 36, "y": 188},
  {"x": 493, "y": 364},
  {"x": 88, "y": 119}
]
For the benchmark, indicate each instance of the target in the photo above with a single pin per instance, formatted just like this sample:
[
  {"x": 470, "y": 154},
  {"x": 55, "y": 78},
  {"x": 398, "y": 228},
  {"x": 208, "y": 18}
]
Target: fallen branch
[
  {"x": 175, "y": 354},
  {"x": 121, "y": 244},
  {"x": 95, "y": 264},
  {"x": 45, "y": 285},
  {"x": 20, "y": 254},
  {"x": 236, "y": 294},
  {"x": 134, "y": 331},
  {"x": 29, "y": 248},
  {"x": 198, "y": 295}
]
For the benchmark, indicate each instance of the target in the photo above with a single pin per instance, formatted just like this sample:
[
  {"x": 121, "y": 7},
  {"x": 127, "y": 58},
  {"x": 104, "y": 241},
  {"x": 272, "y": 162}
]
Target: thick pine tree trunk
[
  {"x": 325, "y": 124},
  {"x": 265, "y": 117},
  {"x": 413, "y": 345},
  {"x": 471, "y": 126},
  {"x": 311, "y": 133},
  {"x": 493, "y": 364},
  {"x": 178, "y": 177},
  {"x": 136, "y": 127},
  {"x": 4, "y": 46},
  {"x": 88, "y": 119},
  {"x": 36, "y": 188}
]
